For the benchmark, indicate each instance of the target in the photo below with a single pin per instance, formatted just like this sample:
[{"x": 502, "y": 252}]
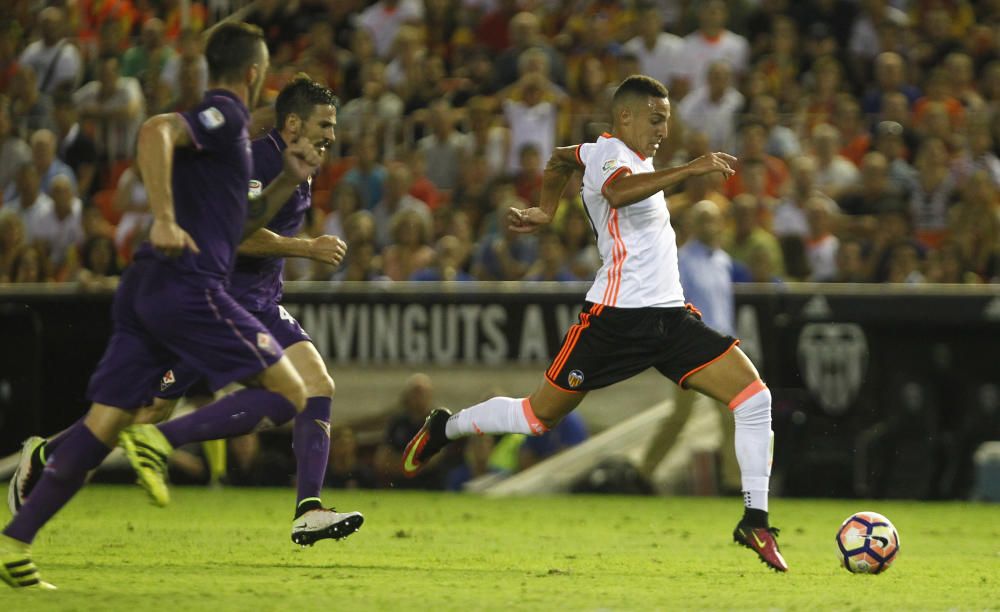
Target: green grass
[{"x": 230, "y": 550}]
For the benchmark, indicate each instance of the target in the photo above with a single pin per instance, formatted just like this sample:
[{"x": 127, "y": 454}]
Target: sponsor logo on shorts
[
  {"x": 266, "y": 343},
  {"x": 575, "y": 379},
  {"x": 167, "y": 380}
]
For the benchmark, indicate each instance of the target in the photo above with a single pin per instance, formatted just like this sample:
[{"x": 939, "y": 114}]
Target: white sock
[
  {"x": 752, "y": 413},
  {"x": 496, "y": 415}
]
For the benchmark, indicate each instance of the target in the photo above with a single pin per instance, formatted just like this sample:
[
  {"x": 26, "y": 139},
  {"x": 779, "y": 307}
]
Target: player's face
[
  {"x": 650, "y": 125},
  {"x": 319, "y": 128}
]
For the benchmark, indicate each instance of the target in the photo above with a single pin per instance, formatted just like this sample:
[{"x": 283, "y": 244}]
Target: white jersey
[{"x": 637, "y": 244}]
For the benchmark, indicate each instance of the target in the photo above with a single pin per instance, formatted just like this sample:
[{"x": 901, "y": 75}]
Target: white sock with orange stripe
[
  {"x": 752, "y": 412},
  {"x": 497, "y": 415}
]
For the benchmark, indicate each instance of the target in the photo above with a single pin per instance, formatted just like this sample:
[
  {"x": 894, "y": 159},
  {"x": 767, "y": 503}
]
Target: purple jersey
[
  {"x": 210, "y": 188},
  {"x": 256, "y": 281}
]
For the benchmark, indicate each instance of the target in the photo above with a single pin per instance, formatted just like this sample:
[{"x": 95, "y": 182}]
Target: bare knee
[
  {"x": 320, "y": 385},
  {"x": 283, "y": 379}
]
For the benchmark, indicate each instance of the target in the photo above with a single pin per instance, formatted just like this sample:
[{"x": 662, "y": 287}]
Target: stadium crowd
[{"x": 867, "y": 131}]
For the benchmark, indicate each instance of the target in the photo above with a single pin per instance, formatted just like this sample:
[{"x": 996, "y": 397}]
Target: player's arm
[
  {"x": 302, "y": 159},
  {"x": 265, "y": 243},
  {"x": 560, "y": 167},
  {"x": 158, "y": 138},
  {"x": 631, "y": 188}
]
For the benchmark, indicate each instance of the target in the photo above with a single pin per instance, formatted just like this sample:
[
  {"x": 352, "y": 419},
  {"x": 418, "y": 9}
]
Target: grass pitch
[{"x": 230, "y": 550}]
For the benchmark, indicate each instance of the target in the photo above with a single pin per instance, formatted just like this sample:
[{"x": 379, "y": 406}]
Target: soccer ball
[{"x": 867, "y": 543}]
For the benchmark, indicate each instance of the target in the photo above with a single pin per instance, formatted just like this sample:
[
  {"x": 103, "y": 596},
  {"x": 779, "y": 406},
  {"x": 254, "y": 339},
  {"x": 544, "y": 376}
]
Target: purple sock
[
  {"x": 55, "y": 441},
  {"x": 240, "y": 413},
  {"x": 311, "y": 441},
  {"x": 64, "y": 475}
]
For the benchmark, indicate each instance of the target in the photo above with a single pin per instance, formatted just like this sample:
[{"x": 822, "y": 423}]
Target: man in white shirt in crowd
[
  {"x": 714, "y": 107},
  {"x": 659, "y": 52},
  {"x": 712, "y": 42},
  {"x": 118, "y": 107},
  {"x": 62, "y": 228},
  {"x": 43, "y": 153},
  {"x": 835, "y": 174},
  {"x": 30, "y": 203},
  {"x": 53, "y": 58},
  {"x": 394, "y": 199},
  {"x": 445, "y": 147},
  {"x": 384, "y": 18}
]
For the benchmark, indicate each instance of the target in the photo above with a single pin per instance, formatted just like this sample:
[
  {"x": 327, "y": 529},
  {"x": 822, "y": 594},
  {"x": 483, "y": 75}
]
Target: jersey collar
[{"x": 610, "y": 135}]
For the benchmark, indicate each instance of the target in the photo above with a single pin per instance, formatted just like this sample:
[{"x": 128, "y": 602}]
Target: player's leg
[
  {"x": 311, "y": 443},
  {"x": 733, "y": 380}
]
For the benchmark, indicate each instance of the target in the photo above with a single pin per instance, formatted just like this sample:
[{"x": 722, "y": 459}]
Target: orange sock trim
[
  {"x": 751, "y": 390},
  {"x": 537, "y": 427}
]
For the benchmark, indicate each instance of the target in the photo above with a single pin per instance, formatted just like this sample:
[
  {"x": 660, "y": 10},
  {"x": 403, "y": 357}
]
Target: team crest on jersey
[
  {"x": 266, "y": 343},
  {"x": 609, "y": 165},
  {"x": 575, "y": 379},
  {"x": 256, "y": 188},
  {"x": 212, "y": 118},
  {"x": 167, "y": 380}
]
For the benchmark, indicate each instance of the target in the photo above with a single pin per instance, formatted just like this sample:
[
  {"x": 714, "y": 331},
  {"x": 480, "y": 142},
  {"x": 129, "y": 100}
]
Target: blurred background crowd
[{"x": 867, "y": 131}]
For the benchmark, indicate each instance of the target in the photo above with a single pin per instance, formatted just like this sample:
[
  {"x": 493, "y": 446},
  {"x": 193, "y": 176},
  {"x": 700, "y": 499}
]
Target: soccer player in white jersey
[{"x": 635, "y": 316}]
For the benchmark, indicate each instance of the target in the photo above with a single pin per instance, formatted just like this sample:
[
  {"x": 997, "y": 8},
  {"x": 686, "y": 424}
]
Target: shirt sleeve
[
  {"x": 609, "y": 163},
  {"x": 215, "y": 127}
]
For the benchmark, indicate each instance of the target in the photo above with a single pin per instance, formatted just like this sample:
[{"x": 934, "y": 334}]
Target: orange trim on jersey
[
  {"x": 571, "y": 337},
  {"x": 536, "y": 426},
  {"x": 610, "y": 135},
  {"x": 618, "y": 253},
  {"x": 751, "y": 390},
  {"x": 614, "y": 175},
  {"x": 705, "y": 365},
  {"x": 576, "y": 153}
]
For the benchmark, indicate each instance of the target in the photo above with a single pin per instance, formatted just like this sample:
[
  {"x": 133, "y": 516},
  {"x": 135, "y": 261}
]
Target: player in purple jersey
[
  {"x": 171, "y": 305},
  {"x": 304, "y": 109}
]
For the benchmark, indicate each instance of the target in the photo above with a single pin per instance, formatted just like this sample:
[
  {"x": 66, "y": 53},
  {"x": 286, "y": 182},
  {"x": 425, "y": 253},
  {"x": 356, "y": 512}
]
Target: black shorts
[{"x": 609, "y": 345}]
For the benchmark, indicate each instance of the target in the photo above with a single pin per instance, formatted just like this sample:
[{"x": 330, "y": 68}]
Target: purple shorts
[
  {"x": 179, "y": 380},
  {"x": 159, "y": 321}
]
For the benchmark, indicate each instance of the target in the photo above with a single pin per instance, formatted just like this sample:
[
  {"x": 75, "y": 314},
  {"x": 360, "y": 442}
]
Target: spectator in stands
[
  {"x": 947, "y": 265},
  {"x": 117, "y": 106},
  {"x": 876, "y": 18},
  {"x": 360, "y": 264},
  {"x": 823, "y": 84},
  {"x": 76, "y": 148},
  {"x": 975, "y": 226},
  {"x": 821, "y": 245},
  {"x": 749, "y": 234},
  {"x": 449, "y": 255},
  {"x": 30, "y": 109},
  {"x": 712, "y": 108},
  {"x": 14, "y": 152},
  {"x": 62, "y": 230},
  {"x": 589, "y": 106},
  {"x": 98, "y": 264},
  {"x": 790, "y": 216},
  {"x": 345, "y": 470},
  {"x": 525, "y": 34},
  {"x": 375, "y": 110},
  {"x": 189, "y": 55},
  {"x": 11, "y": 240},
  {"x": 503, "y": 254},
  {"x": 367, "y": 175},
  {"x": 904, "y": 265},
  {"x": 551, "y": 264},
  {"x": 889, "y": 141},
  {"x": 578, "y": 238},
  {"x": 875, "y": 191},
  {"x": 409, "y": 250},
  {"x": 710, "y": 43},
  {"x": 43, "y": 154},
  {"x": 131, "y": 202},
  {"x": 53, "y": 58},
  {"x": 528, "y": 179},
  {"x": 487, "y": 138},
  {"x": 384, "y": 18},
  {"x": 146, "y": 60},
  {"x": 531, "y": 107},
  {"x": 933, "y": 193},
  {"x": 961, "y": 74},
  {"x": 855, "y": 138},
  {"x": 445, "y": 147},
  {"x": 782, "y": 142},
  {"x": 396, "y": 198},
  {"x": 850, "y": 263},
  {"x": 416, "y": 402},
  {"x": 659, "y": 52},
  {"x": 835, "y": 174},
  {"x": 30, "y": 202},
  {"x": 753, "y": 143},
  {"x": 344, "y": 202},
  {"x": 890, "y": 77},
  {"x": 30, "y": 266},
  {"x": 979, "y": 153}
]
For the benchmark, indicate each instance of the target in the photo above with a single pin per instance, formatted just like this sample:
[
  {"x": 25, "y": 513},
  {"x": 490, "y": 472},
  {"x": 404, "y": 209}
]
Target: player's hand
[
  {"x": 168, "y": 238},
  {"x": 302, "y": 159},
  {"x": 527, "y": 220},
  {"x": 328, "y": 249},
  {"x": 713, "y": 162}
]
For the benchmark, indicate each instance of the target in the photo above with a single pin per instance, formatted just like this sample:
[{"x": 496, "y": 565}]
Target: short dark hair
[
  {"x": 231, "y": 49},
  {"x": 300, "y": 97},
  {"x": 639, "y": 85}
]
